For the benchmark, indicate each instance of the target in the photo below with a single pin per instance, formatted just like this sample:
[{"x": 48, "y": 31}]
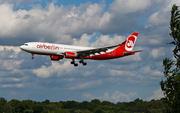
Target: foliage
[
  {"x": 3, "y": 101},
  {"x": 8, "y": 109},
  {"x": 171, "y": 86},
  {"x": 37, "y": 108},
  {"x": 98, "y": 110},
  {"x": 94, "y": 106}
]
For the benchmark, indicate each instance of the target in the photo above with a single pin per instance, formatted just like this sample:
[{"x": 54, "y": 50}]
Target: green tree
[
  {"x": 98, "y": 110},
  {"x": 3, "y": 101},
  {"x": 28, "y": 111},
  {"x": 97, "y": 101},
  {"x": 37, "y": 108},
  {"x": 171, "y": 86},
  {"x": 46, "y": 101},
  {"x": 8, "y": 109}
]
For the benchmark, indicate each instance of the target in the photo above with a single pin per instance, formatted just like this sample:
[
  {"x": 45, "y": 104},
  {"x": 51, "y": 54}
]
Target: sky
[{"x": 93, "y": 23}]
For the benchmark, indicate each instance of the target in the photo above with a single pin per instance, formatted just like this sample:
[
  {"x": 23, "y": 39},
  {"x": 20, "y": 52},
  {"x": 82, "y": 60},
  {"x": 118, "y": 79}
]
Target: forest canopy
[{"x": 94, "y": 106}]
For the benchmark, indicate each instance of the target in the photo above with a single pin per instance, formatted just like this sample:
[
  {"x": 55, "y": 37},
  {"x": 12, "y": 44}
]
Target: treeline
[{"x": 94, "y": 106}]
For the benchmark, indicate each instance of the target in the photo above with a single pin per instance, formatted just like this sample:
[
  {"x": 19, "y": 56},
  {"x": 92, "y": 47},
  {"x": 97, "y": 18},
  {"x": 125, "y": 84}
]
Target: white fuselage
[{"x": 51, "y": 48}]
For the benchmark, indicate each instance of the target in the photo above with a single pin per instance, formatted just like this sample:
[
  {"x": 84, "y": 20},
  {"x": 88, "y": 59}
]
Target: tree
[
  {"x": 46, "y": 101},
  {"x": 3, "y": 101},
  {"x": 98, "y": 110},
  {"x": 97, "y": 101},
  {"x": 37, "y": 108},
  {"x": 8, "y": 109},
  {"x": 171, "y": 86}
]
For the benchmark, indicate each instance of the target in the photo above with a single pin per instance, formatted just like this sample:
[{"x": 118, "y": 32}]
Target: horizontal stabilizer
[{"x": 131, "y": 53}]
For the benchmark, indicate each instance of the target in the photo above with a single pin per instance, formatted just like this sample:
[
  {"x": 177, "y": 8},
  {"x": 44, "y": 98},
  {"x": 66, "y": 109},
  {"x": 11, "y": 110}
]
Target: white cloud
[
  {"x": 129, "y": 6},
  {"x": 157, "y": 53},
  {"x": 148, "y": 71},
  {"x": 10, "y": 79},
  {"x": 88, "y": 96},
  {"x": 6, "y": 65},
  {"x": 13, "y": 79},
  {"x": 12, "y": 85},
  {"x": 119, "y": 96},
  {"x": 116, "y": 96},
  {"x": 106, "y": 96},
  {"x": 162, "y": 16},
  {"x": 159, "y": 18},
  {"x": 105, "y": 40},
  {"x": 59, "y": 23},
  {"x": 83, "y": 41},
  {"x": 86, "y": 84},
  {"x": 55, "y": 68},
  {"x": 157, "y": 95},
  {"x": 121, "y": 73}
]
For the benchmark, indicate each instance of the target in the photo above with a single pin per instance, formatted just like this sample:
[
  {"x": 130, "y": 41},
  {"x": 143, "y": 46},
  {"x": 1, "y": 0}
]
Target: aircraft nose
[{"x": 21, "y": 47}]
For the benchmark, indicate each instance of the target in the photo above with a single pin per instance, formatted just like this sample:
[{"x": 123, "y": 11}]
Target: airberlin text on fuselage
[{"x": 52, "y": 47}]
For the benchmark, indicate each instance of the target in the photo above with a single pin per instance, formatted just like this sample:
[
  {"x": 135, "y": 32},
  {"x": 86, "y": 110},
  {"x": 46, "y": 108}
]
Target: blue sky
[{"x": 84, "y": 23}]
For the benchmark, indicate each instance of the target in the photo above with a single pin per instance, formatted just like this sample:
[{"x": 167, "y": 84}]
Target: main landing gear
[
  {"x": 73, "y": 62},
  {"x": 81, "y": 61}
]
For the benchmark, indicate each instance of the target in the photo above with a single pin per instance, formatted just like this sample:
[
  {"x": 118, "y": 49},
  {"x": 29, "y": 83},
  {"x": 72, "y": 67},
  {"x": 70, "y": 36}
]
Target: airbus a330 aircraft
[{"x": 60, "y": 51}]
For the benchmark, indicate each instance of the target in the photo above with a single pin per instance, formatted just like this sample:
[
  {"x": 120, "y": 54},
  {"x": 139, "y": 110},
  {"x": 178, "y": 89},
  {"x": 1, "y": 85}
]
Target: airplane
[{"x": 59, "y": 51}]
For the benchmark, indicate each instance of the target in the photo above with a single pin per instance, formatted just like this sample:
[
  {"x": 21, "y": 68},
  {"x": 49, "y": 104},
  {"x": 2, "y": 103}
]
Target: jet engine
[
  {"x": 70, "y": 55},
  {"x": 55, "y": 58}
]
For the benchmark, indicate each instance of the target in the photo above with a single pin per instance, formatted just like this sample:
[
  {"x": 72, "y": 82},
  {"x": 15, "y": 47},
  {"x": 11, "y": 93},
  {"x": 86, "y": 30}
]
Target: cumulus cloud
[
  {"x": 129, "y": 6},
  {"x": 119, "y": 96},
  {"x": 116, "y": 96},
  {"x": 83, "y": 41},
  {"x": 12, "y": 85},
  {"x": 59, "y": 23},
  {"x": 105, "y": 40},
  {"x": 160, "y": 17},
  {"x": 87, "y": 84},
  {"x": 87, "y": 96},
  {"x": 157, "y": 95},
  {"x": 156, "y": 53},
  {"x": 54, "y": 68},
  {"x": 149, "y": 71}
]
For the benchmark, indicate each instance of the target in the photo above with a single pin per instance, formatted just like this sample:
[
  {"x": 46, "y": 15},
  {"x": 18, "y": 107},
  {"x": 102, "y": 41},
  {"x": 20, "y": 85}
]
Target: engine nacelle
[
  {"x": 71, "y": 55},
  {"x": 55, "y": 58}
]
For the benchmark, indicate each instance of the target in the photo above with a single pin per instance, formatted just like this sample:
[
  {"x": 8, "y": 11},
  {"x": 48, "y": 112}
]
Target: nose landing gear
[{"x": 33, "y": 56}]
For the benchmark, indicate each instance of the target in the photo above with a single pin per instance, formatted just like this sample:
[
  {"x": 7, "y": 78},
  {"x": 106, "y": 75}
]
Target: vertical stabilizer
[{"x": 128, "y": 45}]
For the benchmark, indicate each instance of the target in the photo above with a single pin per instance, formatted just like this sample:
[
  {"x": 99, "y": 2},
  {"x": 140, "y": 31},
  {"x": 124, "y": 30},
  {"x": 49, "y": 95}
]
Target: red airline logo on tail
[{"x": 130, "y": 42}]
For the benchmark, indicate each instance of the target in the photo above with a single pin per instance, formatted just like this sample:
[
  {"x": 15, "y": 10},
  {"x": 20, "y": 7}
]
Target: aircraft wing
[{"x": 85, "y": 53}]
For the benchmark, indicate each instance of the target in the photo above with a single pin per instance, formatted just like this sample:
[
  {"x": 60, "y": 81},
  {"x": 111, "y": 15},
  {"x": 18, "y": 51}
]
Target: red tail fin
[{"x": 128, "y": 44}]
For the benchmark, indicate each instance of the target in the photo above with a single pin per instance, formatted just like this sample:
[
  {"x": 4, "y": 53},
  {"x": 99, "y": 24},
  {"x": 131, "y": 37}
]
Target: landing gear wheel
[
  {"x": 81, "y": 61},
  {"x": 75, "y": 65},
  {"x": 84, "y": 64},
  {"x": 72, "y": 62},
  {"x": 33, "y": 57}
]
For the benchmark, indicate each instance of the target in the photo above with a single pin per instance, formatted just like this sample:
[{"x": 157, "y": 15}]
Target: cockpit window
[{"x": 26, "y": 44}]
